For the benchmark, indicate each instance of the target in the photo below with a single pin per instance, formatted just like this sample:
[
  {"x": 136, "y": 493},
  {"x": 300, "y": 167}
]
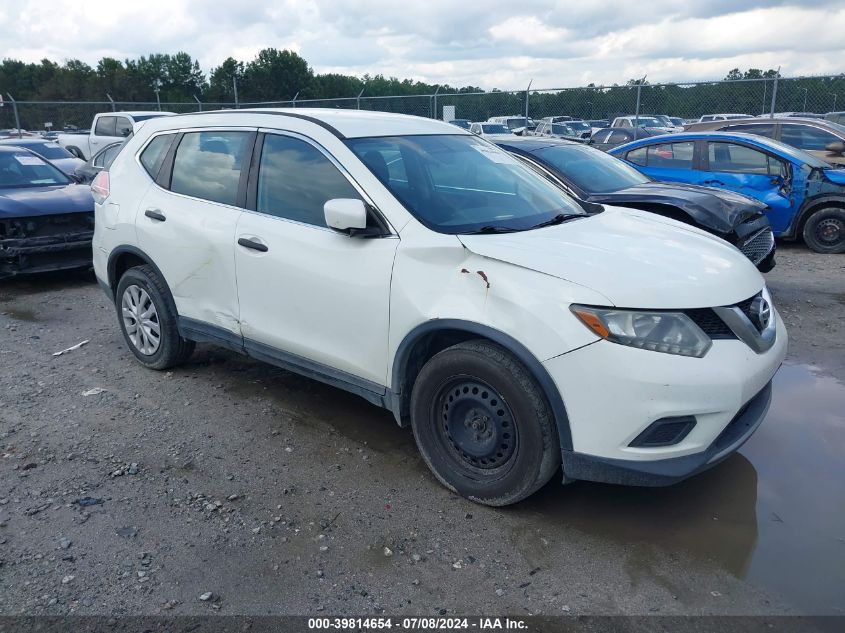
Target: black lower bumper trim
[{"x": 664, "y": 472}]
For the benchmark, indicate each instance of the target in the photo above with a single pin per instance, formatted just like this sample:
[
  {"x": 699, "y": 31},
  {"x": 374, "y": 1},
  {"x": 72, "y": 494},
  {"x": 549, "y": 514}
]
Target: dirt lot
[{"x": 277, "y": 494}]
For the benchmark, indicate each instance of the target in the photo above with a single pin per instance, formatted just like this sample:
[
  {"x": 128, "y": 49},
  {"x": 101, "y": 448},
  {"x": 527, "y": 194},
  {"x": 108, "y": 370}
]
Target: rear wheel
[
  {"x": 482, "y": 424},
  {"x": 148, "y": 323},
  {"x": 824, "y": 230}
]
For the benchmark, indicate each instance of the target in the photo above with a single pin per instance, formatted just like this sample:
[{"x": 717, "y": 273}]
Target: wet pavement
[{"x": 772, "y": 514}]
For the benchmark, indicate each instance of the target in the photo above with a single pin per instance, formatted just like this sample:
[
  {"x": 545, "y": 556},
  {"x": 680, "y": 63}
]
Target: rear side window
[
  {"x": 295, "y": 180},
  {"x": 671, "y": 155},
  {"x": 637, "y": 156},
  {"x": 208, "y": 165},
  {"x": 153, "y": 155},
  {"x": 105, "y": 126}
]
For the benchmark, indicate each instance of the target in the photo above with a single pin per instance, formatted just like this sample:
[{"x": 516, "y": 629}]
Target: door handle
[
  {"x": 252, "y": 244},
  {"x": 712, "y": 182},
  {"x": 155, "y": 214}
]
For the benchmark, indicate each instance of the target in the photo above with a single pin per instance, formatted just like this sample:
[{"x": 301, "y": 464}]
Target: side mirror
[
  {"x": 345, "y": 214},
  {"x": 836, "y": 147}
]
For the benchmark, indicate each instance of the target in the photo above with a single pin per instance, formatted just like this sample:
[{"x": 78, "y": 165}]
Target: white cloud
[{"x": 491, "y": 44}]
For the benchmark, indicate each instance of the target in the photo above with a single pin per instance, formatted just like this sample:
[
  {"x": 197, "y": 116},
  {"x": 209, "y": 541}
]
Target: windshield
[
  {"x": 495, "y": 128},
  {"x": 518, "y": 122},
  {"x": 460, "y": 123},
  {"x": 24, "y": 169},
  {"x": 581, "y": 126},
  {"x": 648, "y": 121},
  {"x": 590, "y": 170},
  {"x": 462, "y": 184},
  {"x": 564, "y": 129},
  {"x": 50, "y": 151}
]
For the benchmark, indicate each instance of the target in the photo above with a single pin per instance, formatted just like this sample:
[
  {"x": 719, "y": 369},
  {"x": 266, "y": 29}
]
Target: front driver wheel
[
  {"x": 482, "y": 424},
  {"x": 824, "y": 230}
]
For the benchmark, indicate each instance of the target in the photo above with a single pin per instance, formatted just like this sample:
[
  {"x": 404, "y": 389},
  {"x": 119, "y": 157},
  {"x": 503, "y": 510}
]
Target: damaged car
[
  {"x": 46, "y": 217},
  {"x": 804, "y": 195},
  {"x": 593, "y": 176},
  {"x": 432, "y": 273}
]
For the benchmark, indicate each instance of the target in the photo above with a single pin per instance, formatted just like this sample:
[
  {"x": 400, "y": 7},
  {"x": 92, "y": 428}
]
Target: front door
[
  {"x": 309, "y": 295},
  {"x": 752, "y": 172}
]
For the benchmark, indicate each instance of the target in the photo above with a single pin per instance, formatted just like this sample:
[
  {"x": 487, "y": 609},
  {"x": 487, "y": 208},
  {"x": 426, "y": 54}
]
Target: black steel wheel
[
  {"x": 483, "y": 425},
  {"x": 824, "y": 230}
]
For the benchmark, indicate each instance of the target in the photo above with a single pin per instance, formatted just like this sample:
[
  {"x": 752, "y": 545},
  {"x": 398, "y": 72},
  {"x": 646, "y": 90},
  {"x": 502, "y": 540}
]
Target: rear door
[
  {"x": 670, "y": 162},
  {"x": 186, "y": 224},
  {"x": 753, "y": 172}
]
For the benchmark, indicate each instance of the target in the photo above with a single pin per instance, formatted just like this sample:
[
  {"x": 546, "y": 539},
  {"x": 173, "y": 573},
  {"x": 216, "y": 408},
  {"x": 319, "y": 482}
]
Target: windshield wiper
[
  {"x": 560, "y": 218},
  {"x": 490, "y": 228}
]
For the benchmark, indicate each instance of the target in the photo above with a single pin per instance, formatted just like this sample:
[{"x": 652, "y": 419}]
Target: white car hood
[{"x": 634, "y": 258}]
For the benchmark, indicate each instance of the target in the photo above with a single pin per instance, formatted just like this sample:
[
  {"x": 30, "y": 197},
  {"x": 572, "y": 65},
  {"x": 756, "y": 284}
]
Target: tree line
[{"x": 274, "y": 75}]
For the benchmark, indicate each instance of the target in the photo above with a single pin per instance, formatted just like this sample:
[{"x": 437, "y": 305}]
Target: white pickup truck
[{"x": 106, "y": 128}]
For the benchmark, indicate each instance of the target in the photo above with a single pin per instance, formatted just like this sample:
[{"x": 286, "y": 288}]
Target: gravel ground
[{"x": 231, "y": 486}]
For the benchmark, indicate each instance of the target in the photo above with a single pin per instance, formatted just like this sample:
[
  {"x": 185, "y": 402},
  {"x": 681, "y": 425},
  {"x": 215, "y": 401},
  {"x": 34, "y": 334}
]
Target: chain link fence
[{"x": 684, "y": 100}]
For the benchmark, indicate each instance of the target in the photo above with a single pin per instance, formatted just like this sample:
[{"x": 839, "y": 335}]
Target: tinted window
[
  {"x": 459, "y": 184},
  {"x": 208, "y": 165},
  {"x": 618, "y": 137},
  {"x": 806, "y": 137},
  {"x": 295, "y": 180},
  {"x": 671, "y": 155},
  {"x": 122, "y": 126},
  {"x": 767, "y": 130},
  {"x": 731, "y": 157},
  {"x": 638, "y": 156},
  {"x": 105, "y": 126},
  {"x": 153, "y": 154},
  {"x": 107, "y": 156},
  {"x": 50, "y": 151},
  {"x": 589, "y": 169},
  {"x": 601, "y": 137}
]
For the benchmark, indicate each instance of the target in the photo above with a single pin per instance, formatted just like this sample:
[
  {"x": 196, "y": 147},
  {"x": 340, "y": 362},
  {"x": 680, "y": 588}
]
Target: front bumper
[
  {"x": 45, "y": 243},
  {"x": 663, "y": 472},
  {"x": 613, "y": 394}
]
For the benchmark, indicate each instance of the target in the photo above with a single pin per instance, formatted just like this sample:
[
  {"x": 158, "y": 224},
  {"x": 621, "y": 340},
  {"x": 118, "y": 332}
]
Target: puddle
[{"x": 772, "y": 514}]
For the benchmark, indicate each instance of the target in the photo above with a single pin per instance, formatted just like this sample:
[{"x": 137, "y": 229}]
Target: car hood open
[
  {"x": 716, "y": 209},
  {"x": 634, "y": 258},
  {"x": 35, "y": 201}
]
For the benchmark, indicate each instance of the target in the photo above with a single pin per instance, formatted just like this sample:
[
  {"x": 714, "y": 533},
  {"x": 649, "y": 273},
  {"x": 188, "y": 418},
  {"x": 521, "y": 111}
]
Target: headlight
[{"x": 667, "y": 332}]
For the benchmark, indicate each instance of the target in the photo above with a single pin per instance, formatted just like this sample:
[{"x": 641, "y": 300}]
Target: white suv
[{"x": 422, "y": 268}]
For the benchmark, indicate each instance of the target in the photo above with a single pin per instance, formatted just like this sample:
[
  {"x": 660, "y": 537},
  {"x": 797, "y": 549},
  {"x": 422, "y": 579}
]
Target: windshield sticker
[
  {"x": 28, "y": 160},
  {"x": 495, "y": 155}
]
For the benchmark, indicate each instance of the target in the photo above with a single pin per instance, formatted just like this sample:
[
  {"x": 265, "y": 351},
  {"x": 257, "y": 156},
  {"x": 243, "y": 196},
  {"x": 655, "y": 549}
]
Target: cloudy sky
[{"x": 490, "y": 44}]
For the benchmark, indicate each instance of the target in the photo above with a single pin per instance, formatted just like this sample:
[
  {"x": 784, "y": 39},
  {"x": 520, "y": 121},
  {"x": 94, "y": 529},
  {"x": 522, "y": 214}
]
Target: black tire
[
  {"x": 483, "y": 425},
  {"x": 824, "y": 230},
  {"x": 171, "y": 348}
]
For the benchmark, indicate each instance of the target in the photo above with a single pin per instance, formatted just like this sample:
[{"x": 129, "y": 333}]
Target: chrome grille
[{"x": 759, "y": 245}]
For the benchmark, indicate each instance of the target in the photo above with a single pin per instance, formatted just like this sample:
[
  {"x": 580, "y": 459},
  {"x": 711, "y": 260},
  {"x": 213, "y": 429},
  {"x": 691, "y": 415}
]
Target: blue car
[
  {"x": 805, "y": 196},
  {"x": 46, "y": 218}
]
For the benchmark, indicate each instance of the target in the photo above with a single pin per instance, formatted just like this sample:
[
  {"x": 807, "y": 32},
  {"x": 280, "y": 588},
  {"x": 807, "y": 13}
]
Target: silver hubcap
[{"x": 141, "y": 320}]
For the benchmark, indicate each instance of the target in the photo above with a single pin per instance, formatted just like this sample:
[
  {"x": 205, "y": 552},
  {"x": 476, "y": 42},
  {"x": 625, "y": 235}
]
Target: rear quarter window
[{"x": 153, "y": 154}]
